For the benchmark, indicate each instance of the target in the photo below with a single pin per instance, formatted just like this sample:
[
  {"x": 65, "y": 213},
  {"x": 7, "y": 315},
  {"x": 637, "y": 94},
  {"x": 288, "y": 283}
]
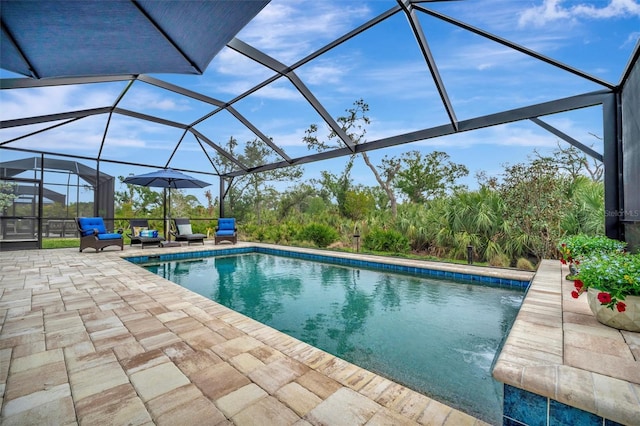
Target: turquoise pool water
[{"x": 436, "y": 336}]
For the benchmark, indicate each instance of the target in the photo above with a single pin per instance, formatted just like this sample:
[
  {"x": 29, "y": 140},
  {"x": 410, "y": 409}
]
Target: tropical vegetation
[{"x": 415, "y": 206}]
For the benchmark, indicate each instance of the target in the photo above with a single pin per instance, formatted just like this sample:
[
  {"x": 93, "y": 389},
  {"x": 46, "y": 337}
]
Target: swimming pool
[{"x": 436, "y": 336}]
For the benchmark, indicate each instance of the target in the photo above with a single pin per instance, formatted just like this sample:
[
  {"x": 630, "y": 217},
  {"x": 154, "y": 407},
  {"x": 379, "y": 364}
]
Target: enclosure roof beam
[
  {"x": 271, "y": 63},
  {"x": 518, "y": 114},
  {"x": 29, "y": 83},
  {"x": 151, "y": 118},
  {"x": 40, "y": 131},
  {"x": 90, "y": 158},
  {"x": 582, "y": 147},
  {"x": 5, "y": 124},
  {"x": 516, "y": 46},
  {"x": 181, "y": 90},
  {"x": 221, "y": 151},
  {"x": 212, "y": 101},
  {"x": 416, "y": 28},
  {"x": 264, "y": 138}
]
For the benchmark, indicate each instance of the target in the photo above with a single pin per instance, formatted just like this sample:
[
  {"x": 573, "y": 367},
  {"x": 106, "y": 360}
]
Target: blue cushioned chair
[
  {"x": 226, "y": 230},
  {"x": 94, "y": 234}
]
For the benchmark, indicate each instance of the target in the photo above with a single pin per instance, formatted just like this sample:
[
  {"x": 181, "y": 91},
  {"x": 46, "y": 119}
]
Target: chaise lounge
[
  {"x": 138, "y": 234},
  {"x": 93, "y": 234},
  {"x": 226, "y": 230},
  {"x": 182, "y": 232}
]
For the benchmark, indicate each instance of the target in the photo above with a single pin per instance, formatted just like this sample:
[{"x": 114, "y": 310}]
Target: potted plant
[
  {"x": 576, "y": 247},
  {"x": 612, "y": 283}
]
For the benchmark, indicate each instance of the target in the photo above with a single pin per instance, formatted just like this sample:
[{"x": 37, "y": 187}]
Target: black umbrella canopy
[
  {"x": 61, "y": 38},
  {"x": 166, "y": 178}
]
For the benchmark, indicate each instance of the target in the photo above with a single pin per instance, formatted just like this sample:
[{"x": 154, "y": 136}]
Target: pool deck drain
[{"x": 90, "y": 338}]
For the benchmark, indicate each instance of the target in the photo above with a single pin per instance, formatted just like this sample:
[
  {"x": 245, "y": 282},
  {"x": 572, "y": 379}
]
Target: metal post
[
  {"x": 613, "y": 204},
  {"x": 356, "y": 238},
  {"x": 470, "y": 254},
  {"x": 221, "y": 199}
]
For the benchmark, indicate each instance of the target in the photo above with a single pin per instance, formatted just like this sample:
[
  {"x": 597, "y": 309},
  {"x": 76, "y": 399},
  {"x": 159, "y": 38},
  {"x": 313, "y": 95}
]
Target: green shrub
[
  {"x": 581, "y": 246},
  {"x": 524, "y": 264},
  {"x": 499, "y": 261},
  {"x": 321, "y": 235},
  {"x": 385, "y": 240}
]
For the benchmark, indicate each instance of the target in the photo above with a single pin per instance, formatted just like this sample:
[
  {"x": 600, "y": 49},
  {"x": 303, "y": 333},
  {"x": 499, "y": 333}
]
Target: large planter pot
[{"x": 628, "y": 320}]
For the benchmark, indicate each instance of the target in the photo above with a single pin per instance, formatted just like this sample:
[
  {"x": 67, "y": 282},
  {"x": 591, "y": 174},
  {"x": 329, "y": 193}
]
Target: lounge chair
[
  {"x": 94, "y": 234},
  {"x": 137, "y": 234},
  {"x": 226, "y": 230},
  {"x": 182, "y": 232}
]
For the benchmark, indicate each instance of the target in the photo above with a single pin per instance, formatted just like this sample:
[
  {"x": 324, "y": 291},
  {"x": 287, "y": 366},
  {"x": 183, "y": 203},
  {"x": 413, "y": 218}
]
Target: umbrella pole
[{"x": 164, "y": 211}]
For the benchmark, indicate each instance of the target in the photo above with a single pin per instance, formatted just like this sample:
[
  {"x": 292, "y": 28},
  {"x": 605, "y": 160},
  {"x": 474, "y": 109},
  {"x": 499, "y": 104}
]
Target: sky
[{"x": 383, "y": 66}]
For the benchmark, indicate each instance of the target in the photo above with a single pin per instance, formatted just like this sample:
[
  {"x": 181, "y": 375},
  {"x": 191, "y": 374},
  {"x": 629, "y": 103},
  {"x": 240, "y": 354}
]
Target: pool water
[{"x": 438, "y": 337}]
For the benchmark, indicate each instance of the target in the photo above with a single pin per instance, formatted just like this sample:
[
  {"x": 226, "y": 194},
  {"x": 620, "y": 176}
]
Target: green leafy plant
[
  {"x": 386, "y": 240},
  {"x": 574, "y": 248},
  {"x": 321, "y": 235},
  {"x": 615, "y": 275}
]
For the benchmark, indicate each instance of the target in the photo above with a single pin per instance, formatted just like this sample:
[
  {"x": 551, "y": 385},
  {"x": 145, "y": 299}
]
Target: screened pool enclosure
[{"x": 102, "y": 112}]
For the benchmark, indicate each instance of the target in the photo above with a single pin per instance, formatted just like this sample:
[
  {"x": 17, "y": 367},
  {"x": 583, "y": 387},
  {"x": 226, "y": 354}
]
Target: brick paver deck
[{"x": 90, "y": 338}]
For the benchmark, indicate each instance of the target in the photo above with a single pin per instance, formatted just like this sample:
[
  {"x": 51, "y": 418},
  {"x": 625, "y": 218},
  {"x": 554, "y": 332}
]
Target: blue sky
[{"x": 383, "y": 66}]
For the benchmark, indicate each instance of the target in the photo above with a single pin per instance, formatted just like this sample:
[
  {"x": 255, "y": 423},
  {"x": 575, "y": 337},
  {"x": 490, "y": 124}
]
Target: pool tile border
[{"x": 347, "y": 261}]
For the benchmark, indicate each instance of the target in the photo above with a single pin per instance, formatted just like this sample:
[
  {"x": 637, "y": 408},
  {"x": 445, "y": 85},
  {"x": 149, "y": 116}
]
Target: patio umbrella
[
  {"x": 61, "y": 38},
  {"x": 166, "y": 178}
]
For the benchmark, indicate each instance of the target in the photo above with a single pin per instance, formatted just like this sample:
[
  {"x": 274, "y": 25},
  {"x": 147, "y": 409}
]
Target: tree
[
  {"x": 535, "y": 201},
  {"x": 7, "y": 195},
  {"x": 211, "y": 202},
  {"x": 574, "y": 162},
  {"x": 296, "y": 199},
  {"x": 138, "y": 200},
  {"x": 251, "y": 189},
  {"x": 424, "y": 178},
  {"x": 358, "y": 202},
  {"x": 353, "y": 124},
  {"x": 336, "y": 187}
]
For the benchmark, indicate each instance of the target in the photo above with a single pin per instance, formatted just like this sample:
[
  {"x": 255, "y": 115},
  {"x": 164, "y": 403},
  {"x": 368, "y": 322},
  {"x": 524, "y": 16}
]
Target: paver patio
[{"x": 90, "y": 338}]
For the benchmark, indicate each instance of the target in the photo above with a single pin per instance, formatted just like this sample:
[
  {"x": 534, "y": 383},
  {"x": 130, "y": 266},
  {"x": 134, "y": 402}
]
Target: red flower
[
  {"x": 564, "y": 245},
  {"x": 564, "y": 262},
  {"x": 577, "y": 262},
  {"x": 604, "y": 298},
  {"x": 579, "y": 284},
  {"x": 621, "y": 306},
  {"x": 575, "y": 294}
]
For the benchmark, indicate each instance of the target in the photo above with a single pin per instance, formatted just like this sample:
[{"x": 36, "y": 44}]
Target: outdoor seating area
[
  {"x": 142, "y": 234},
  {"x": 94, "y": 234}
]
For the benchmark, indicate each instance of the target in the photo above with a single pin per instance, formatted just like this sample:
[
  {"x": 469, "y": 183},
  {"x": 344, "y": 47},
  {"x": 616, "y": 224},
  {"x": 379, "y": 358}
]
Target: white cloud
[
  {"x": 554, "y": 10},
  {"x": 145, "y": 99},
  {"x": 34, "y": 102},
  {"x": 323, "y": 73},
  {"x": 290, "y": 30},
  {"x": 632, "y": 39}
]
